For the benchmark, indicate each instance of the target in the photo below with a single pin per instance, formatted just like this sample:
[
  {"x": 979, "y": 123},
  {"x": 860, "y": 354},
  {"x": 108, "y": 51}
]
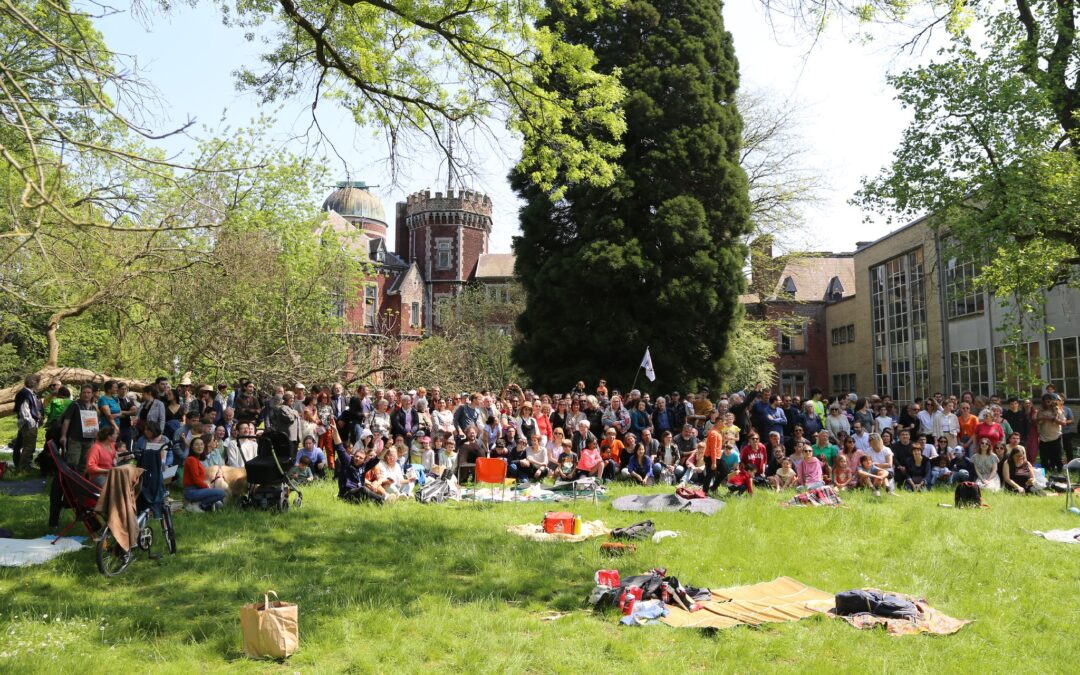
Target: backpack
[
  {"x": 877, "y": 603},
  {"x": 435, "y": 491},
  {"x": 968, "y": 494},
  {"x": 640, "y": 530}
]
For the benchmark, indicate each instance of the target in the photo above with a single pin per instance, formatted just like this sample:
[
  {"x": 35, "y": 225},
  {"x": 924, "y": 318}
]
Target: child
[
  {"x": 695, "y": 466},
  {"x": 741, "y": 480},
  {"x": 567, "y": 465},
  {"x": 785, "y": 475},
  {"x": 870, "y": 476},
  {"x": 940, "y": 472},
  {"x": 842, "y": 476},
  {"x": 427, "y": 454},
  {"x": 301, "y": 472}
]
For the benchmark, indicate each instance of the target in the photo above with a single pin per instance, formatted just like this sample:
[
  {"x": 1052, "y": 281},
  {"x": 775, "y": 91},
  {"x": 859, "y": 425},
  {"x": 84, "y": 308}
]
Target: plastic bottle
[{"x": 577, "y": 524}]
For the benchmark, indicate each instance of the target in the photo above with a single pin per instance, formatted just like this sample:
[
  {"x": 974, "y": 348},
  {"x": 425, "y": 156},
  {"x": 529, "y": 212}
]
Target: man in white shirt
[
  {"x": 862, "y": 438},
  {"x": 240, "y": 450},
  {"x": 926, "y": 417}
]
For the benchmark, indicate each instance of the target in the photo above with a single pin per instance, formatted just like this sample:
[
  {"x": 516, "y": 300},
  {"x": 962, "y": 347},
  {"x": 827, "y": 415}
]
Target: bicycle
[{"x": 112, "y": 559}]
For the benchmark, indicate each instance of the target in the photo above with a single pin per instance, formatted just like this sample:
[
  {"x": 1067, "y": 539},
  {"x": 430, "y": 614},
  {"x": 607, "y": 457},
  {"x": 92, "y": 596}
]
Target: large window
[
  {"x": 337, "y": 304},
  {"x": 970, "y": 372},
  {"x": 962, "y": 296},
  {"x": 371, "y": 306},
  {"x": 1016, "y": 369},
  {"x": 793, "y": 383},
  {"x": 443, "y": 253},
  {"x": 442, "y": 305},
  {"x": 843, "y": 334},
  {"x": 793, "y": 337},
  {"x": 843, "y": 384},
  {"x": 1063, "y": 357},
  {"x": 898, "y": 321}
]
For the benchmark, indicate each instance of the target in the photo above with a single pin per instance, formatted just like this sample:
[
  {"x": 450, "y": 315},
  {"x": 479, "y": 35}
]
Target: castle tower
[
  {"x": 353, "y": 201},
  {"x": 445, "y": 236}
]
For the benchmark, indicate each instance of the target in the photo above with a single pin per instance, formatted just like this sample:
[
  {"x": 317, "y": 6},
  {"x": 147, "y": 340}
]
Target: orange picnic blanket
[{"x": 776, "y": 601}]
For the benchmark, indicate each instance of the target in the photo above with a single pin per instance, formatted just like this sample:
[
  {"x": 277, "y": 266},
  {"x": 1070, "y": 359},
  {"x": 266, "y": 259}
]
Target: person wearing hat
[{"x": 203, "y": 402}]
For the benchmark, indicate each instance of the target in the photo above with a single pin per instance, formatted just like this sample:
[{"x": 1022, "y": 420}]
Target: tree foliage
[
  {"x": 472, "y": 349},
  {"x": 656, "y": 258}
]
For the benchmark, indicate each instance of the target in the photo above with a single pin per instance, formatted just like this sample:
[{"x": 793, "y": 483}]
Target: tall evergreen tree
[{"x": 656, "y": 258}]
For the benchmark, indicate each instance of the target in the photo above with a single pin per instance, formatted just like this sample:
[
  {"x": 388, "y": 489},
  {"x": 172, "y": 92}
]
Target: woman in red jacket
[{"x": 102, "y": 455}]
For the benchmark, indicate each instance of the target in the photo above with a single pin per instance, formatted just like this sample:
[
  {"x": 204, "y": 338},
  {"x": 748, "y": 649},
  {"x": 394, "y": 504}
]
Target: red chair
[
  {"x": 490, "y": 470},
  {"x": 79, "y": 494}
]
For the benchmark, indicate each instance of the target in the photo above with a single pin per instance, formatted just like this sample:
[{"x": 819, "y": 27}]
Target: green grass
[{"x": 412, "y": 587}]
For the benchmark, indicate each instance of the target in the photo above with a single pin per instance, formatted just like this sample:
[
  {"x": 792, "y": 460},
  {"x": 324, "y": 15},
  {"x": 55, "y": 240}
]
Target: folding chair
[
  {"x": 77, "y": 493},
  {"x": 490, "y": 470},
  {"x": 1072, "y": 465}
]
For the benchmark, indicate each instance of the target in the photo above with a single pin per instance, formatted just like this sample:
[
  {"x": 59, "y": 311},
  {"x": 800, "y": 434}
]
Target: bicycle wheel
[
  {"x": 112, "y": 559},
  {"x": 167, "y": 527}
]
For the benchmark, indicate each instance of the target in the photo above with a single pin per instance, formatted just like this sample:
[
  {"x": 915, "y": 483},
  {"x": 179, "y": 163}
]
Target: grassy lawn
[{"x": 412, "y": 587}]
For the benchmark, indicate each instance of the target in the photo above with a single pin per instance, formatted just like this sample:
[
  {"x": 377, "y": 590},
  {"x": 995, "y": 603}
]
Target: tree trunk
[{"x": 69, "y": 376}]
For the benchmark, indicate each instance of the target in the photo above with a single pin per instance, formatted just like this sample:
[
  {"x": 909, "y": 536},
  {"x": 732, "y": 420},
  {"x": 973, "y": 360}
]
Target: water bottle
[{"x": 577, "y": 524}]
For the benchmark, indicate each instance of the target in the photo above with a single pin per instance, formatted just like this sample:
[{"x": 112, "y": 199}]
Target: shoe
[
  {"x": 877, "y": 493},
  {"x": 217, "y": 506},
  {"x": 192, "y": 507}
]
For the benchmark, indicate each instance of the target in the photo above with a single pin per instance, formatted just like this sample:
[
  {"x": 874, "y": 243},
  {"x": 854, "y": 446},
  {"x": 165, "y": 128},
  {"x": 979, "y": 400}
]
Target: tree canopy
[{"x": 655, "y": 259}]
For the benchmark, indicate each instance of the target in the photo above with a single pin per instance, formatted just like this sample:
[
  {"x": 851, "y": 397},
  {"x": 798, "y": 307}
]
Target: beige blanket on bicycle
[{"x": 117, "y": 502}]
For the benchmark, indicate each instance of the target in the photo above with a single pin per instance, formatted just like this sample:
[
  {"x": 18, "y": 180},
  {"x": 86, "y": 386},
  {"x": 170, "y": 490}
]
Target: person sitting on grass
[
  {"x": 352, "y": 486},
  {"x": 300, "y": 472},
  {"x": 740, "y": 480},
  {"x": 668, "y": 457},
  {"x": 213, "y": 448},
  {"x": 809, "y": 471},
  {"x": 590, "y": 463},
  {"x": 940, "y": 473},
  {"x": 536, "y": 458},
  {"x": 695, "y": 466},
  {"x": 785, "y": 476},
  {"x": 315, "y": 456},
  {"x": 843, "y": 477},
  {"x": 102, "y": 455},
  {"x": 387, "y": 478},
  {"x": 640, "y": 467},
  {"x": 197, "y": 489},
  {"x": 917, "y": 473},
  {"x": 1018, "y": 474},
  {"x": 870, "y": 476},
  {"x": 566, "y": 466},
  {"x": 960, "y": 466},
  {"x": 986, "y": 466}
]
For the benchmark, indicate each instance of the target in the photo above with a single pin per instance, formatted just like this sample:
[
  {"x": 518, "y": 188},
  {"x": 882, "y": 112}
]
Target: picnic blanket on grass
[
  {"x": 1061, "y": 536},
  {"x": 822, "y": 496},
  {"x": 26, "y": 552},
  {"x": 589, "y": 529},
  {"x": 780, "y": 600},
  {"x": 670, "y": 502},
  {"x": 930, "y": 620}
]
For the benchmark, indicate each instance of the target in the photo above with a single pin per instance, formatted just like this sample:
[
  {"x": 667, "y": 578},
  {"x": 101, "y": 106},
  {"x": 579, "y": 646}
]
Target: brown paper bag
[{"x": 270, "y": 628}]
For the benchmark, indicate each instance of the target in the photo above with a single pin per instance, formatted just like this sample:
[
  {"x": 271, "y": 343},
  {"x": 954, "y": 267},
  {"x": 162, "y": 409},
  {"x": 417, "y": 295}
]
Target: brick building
[{"x": 439, "y": 243}]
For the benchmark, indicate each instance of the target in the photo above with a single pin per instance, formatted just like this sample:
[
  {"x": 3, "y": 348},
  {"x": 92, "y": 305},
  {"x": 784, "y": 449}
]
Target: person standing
[
  {"x": 29, "y": 411},
  {"x": 79, "y": 428},
  {"x": 1050, "y": 420}
]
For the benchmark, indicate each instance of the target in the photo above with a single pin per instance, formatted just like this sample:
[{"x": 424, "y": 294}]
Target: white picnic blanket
[
  {"x": 1062, "y": 536},
  {"x": 26, "y": 552}
]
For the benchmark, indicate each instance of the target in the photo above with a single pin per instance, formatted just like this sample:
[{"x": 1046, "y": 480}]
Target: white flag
[{"x": 646, "y": 363}]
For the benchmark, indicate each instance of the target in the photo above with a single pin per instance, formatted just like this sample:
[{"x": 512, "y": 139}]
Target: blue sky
[{"x": 850, "y": 122}]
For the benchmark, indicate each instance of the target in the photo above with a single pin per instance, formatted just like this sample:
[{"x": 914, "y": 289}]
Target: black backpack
[
  {"x": 636, "y": 531},
  {"x": 434, "y": 491},
  {"x": 968, "y": 494}
]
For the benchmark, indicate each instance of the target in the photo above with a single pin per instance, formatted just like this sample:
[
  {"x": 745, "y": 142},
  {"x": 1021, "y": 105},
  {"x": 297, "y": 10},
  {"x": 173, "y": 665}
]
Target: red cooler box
[{"x": 558, "y": 522}]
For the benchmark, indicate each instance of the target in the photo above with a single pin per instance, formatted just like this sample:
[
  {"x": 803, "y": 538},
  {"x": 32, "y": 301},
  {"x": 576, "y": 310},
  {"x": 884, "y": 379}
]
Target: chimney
[
  {"x": 763, "y": 269},
  {"x": 401, "y": 232}
]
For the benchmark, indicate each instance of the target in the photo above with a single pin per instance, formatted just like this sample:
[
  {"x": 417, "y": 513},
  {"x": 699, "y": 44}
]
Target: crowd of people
[{"x": 381, "y": 443}]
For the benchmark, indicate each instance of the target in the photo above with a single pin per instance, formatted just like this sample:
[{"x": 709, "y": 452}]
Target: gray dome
[{"x": 354, "y": 200}]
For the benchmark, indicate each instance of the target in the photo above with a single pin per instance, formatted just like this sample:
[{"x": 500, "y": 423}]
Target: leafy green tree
[{"x": 656, "y": 258}]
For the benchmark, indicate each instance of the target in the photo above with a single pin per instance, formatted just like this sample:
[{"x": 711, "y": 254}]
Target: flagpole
[{"x": 638, "y": 371}]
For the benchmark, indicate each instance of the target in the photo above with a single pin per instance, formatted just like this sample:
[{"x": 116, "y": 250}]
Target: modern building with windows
[{"x": 920, "y": 326}]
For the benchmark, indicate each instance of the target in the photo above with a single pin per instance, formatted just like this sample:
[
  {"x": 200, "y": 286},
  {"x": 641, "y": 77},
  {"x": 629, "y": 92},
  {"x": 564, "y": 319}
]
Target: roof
[
  {"x": 810, "y": 278},
  {"x": 495, "y": 266},
  {"x": 352, "y": 239},
  {"x": 354, "y": 200}
]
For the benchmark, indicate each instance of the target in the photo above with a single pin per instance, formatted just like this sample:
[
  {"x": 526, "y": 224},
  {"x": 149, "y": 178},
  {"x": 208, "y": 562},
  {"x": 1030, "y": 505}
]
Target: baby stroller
[
  {"x": 76, "y": 493},
  {"x": 269, "y": 486}
]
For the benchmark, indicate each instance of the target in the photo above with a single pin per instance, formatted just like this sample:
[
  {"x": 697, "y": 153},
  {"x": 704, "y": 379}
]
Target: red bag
[
  {"x": 558, "y": 522},
  {"x": 691, "y": 493}
]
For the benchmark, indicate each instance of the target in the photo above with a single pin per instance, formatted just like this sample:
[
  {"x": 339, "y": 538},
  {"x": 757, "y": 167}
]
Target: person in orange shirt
[
  {"x": 611, "y": 448},
  {"x": 102, "y": 455},
  {"x": 197, "y": 490},
  {"x": 715, "y": 470},
  {"x": 968, "y": 424}
]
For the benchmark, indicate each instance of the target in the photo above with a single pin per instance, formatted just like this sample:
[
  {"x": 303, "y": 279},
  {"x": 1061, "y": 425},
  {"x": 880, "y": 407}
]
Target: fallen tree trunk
[{"x": 71, "y": 377}]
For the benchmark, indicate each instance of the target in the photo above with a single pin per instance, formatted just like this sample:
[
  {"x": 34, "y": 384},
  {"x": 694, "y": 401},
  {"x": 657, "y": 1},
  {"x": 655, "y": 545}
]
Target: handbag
[{"x": 270, "y": 628}]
